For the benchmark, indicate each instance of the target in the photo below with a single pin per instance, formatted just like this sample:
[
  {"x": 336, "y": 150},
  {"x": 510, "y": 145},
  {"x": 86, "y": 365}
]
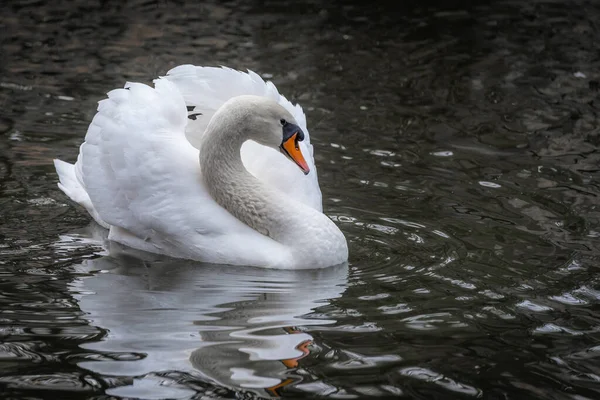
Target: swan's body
[{"x": 171, "y": 185}]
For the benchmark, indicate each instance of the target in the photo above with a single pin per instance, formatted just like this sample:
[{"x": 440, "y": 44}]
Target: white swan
[{"x": 138, "y": 174}]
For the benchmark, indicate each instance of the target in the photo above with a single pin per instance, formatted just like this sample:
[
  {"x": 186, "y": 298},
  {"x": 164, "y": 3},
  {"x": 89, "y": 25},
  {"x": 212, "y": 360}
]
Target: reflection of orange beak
[
  {"x": 292, "y": 150},
  {"x": 303, "y": 347},
  {"x": 275, "y": 390},
  {"x": 290, "y": 362}
]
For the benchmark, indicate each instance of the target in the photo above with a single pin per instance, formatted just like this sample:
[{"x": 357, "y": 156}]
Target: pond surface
[{"x": 457, "y": 146}]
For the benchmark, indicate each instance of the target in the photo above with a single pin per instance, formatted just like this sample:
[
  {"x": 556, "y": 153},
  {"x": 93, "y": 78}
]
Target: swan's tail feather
[
  {"x": 71, "y": 186},
  {"x": 68, "y": 181}
]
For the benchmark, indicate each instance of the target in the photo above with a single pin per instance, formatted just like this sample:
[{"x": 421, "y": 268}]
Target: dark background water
[{"x": 457, "y": 145}]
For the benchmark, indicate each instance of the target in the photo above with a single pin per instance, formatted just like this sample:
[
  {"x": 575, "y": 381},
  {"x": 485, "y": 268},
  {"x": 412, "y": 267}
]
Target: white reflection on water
[{"x": 235, "y": 326}]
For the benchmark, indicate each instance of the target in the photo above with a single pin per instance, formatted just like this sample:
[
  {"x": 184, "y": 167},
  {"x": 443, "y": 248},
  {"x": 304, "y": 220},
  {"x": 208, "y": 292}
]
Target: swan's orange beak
[{"x": 291, "y": 149}]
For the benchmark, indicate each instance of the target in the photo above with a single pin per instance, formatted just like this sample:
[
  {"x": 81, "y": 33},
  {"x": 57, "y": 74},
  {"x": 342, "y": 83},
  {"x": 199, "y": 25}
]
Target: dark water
[{"x": 458, "y": 150}]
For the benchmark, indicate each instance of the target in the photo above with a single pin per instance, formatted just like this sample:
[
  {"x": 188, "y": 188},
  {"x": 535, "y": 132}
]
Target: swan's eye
[{"x": 283, "y": 121}]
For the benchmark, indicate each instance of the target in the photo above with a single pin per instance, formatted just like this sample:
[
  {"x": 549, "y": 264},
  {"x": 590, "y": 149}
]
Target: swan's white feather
[
  {"x": 207, "y": 88},
  {"x": 142, "y": 177},
  {"x": 72, "y": 186}
]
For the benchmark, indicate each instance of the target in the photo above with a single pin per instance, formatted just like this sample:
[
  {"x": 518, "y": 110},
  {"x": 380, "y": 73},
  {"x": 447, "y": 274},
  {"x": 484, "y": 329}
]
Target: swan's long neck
[
  {"x": 238, "y": 191},
  {"x": 311, "y": 239}
]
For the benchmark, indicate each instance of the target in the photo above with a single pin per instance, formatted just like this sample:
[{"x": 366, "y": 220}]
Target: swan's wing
[
  {"x": 143, "y": 176},
  {"x": 205, "y": 89}
]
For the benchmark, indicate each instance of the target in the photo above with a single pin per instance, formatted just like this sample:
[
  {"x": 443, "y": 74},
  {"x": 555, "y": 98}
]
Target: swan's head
[
  {"x": 292, "y": 134},
  {"x": 270, "y": 124}
]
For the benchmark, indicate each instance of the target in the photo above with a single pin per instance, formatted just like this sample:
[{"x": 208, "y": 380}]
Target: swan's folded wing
[
  {"x": 205, "y": 89},
  {"x": 141, "y": 173}
]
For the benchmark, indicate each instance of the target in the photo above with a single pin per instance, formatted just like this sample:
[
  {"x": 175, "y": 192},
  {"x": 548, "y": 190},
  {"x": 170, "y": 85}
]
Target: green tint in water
[{"x": 457, "y": 148}]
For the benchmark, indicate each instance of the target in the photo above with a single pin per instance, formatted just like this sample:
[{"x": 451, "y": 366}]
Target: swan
[{"x": 211, "y": 164}]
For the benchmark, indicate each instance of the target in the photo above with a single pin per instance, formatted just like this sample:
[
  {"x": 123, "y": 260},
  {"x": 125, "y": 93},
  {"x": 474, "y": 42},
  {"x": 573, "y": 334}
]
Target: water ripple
[
  {"x": 447, "y": 383},
  {"x": 61, "y": 382}
]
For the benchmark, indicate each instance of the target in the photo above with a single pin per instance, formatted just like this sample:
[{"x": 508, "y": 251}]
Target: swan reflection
[{"x": 237, "y": 327}]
